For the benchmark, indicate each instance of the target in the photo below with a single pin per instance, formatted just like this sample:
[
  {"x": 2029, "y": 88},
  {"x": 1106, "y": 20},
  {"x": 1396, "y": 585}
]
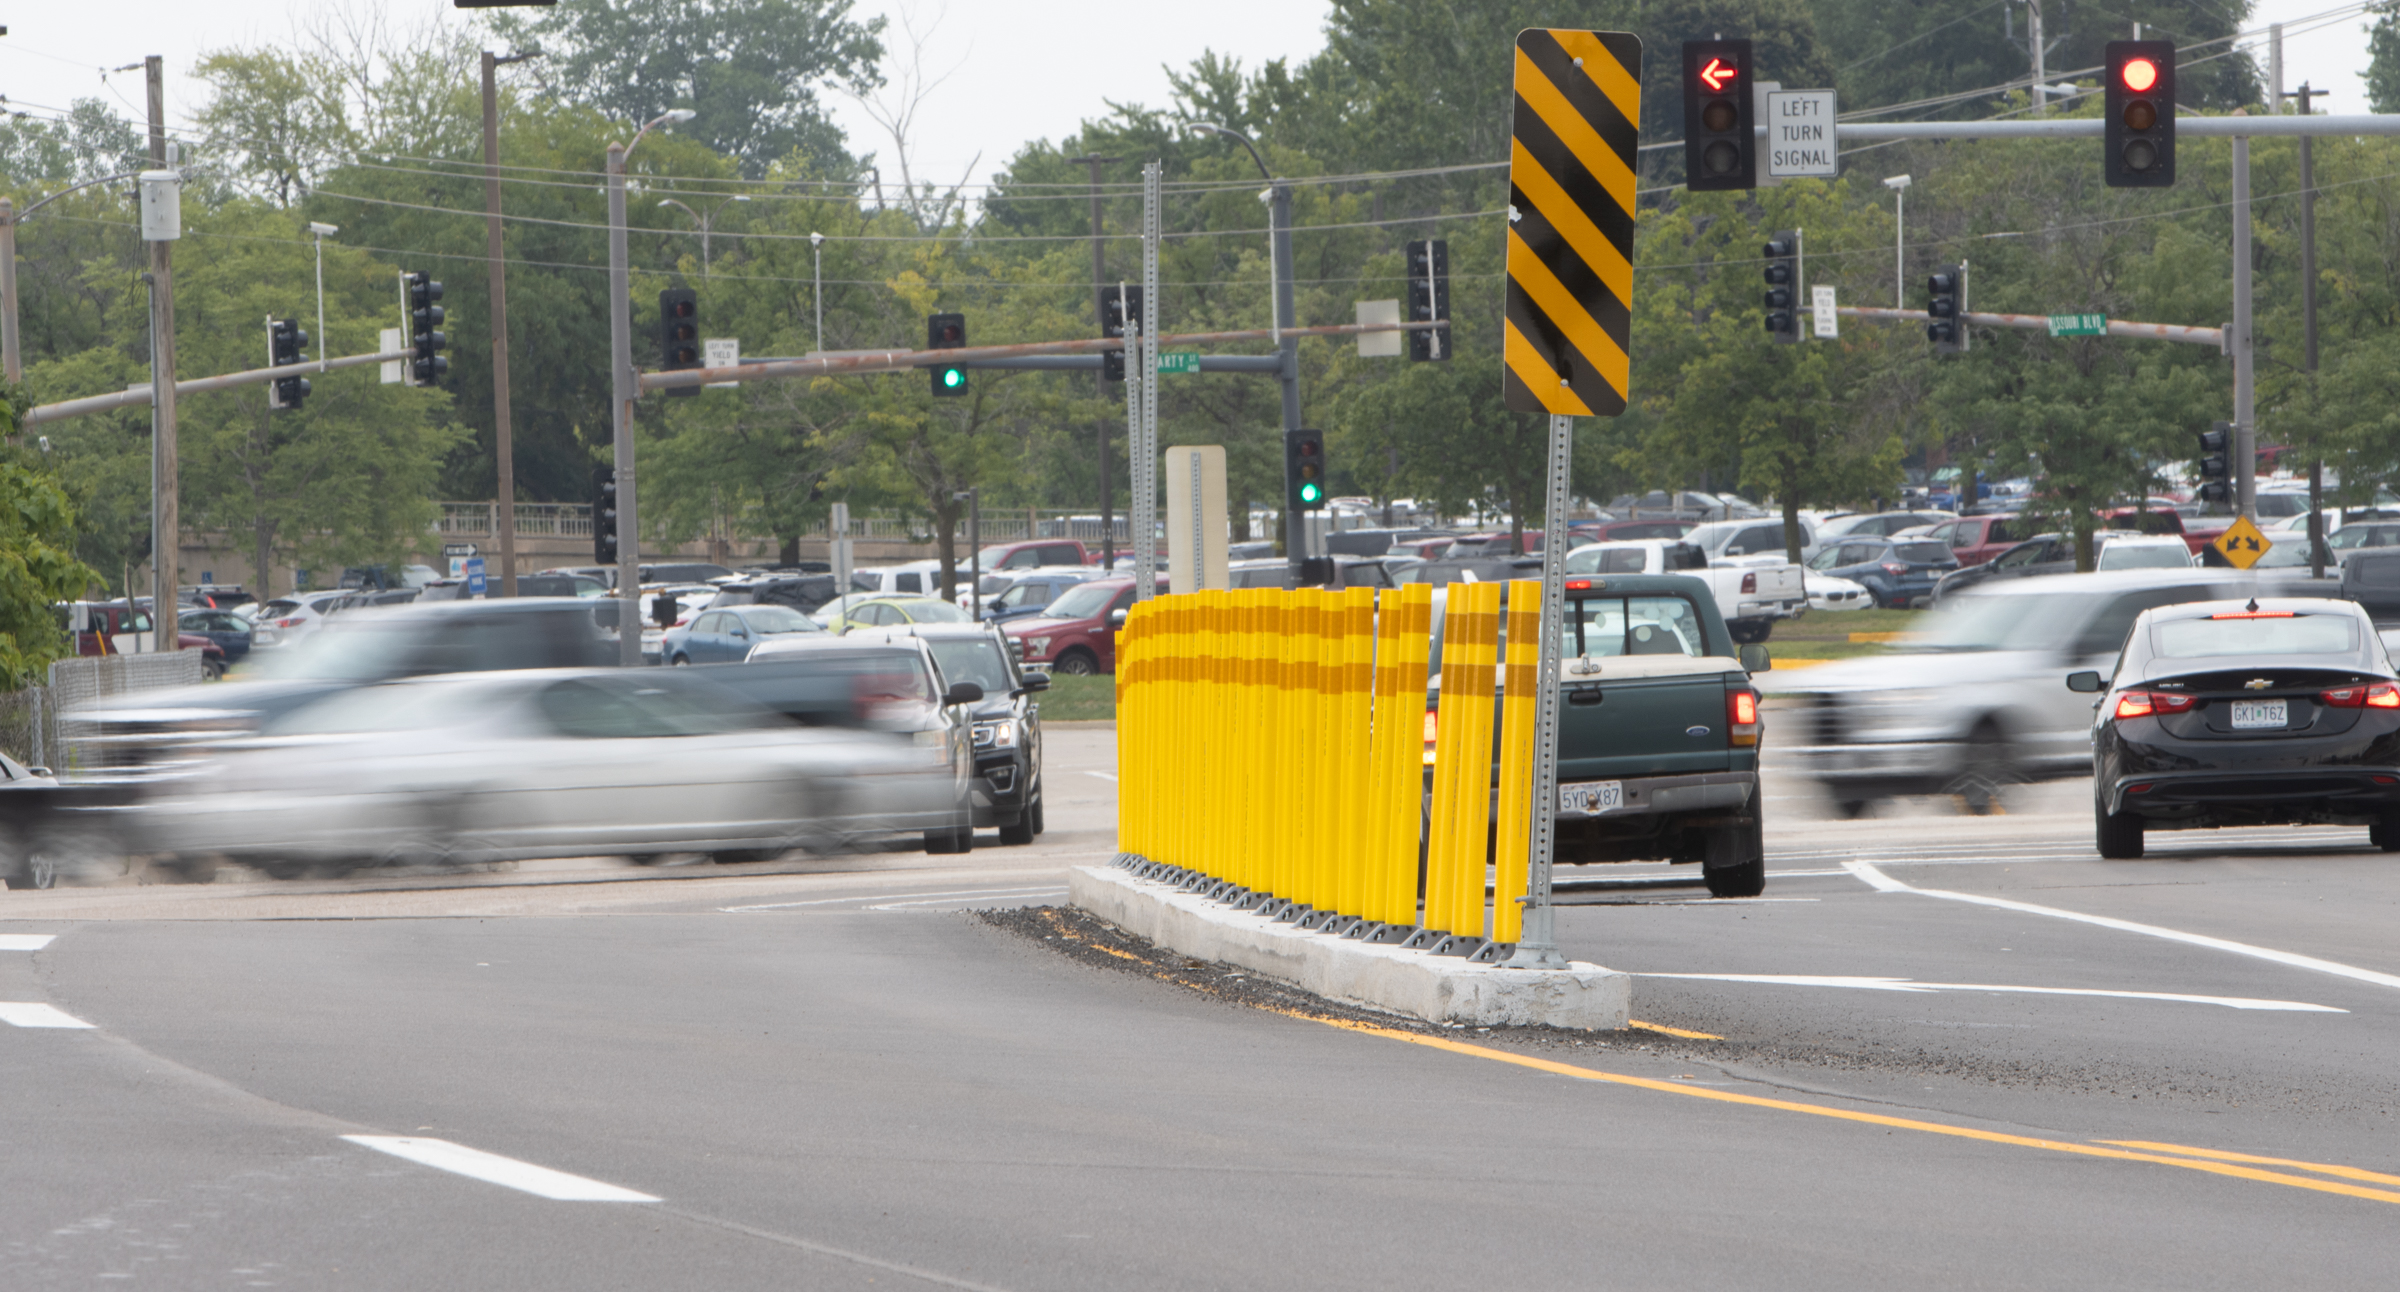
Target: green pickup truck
[{"x": 1659, "y": 731}]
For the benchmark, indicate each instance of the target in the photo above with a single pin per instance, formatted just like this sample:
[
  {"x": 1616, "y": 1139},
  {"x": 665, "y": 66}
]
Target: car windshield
[
  {"x": 2281, "y": 504},
  {"x": 2355, "y": 536},
  {"x": 277, "y": 609},
  {"x": 1994, "y": 622},
  {"x": 930, "y": 611},
  {"x": 780, "y": 619},
  {"x": 973, "y": 659},
  {"x": 2143, "y": 556},
  {"x": 1633, "y": 626},
  {"x": 1083, "y": 602},
  {"x": 2255, "y": 633}
]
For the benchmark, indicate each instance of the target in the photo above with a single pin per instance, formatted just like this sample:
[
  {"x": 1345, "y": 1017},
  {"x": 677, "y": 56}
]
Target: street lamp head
[
  {"x": 322, "y": 230},
  {"x": 1896, "y": 182},
  {"x": 676, "y": 116},
  {"x": 816, "y": 239}
]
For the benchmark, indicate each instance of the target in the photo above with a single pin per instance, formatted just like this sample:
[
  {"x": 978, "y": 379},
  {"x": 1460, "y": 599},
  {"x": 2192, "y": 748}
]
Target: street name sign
[
  {"x": 1570, "y": 232},
  {"x": 2242, "y": 543},
  {"x": 1800, "y": 134},
  {"x": 1175, "y": 361},
  {"x": 2079, "y": 325}
]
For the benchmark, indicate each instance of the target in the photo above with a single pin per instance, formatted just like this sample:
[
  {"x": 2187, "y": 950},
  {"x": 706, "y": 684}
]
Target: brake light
[
  {"x": 1750, "y": 584},
  {"x": 2144, "y": 704},
  {"x": 1577, "y": 585},
  {"x": 2254, "y": 614},
  {"x": 2383, "y": 695},
  {"x": 1432, "y": 721},
  {"x": 1894, "y": 567},
  {"x": 1741, "y": 717},
  {"x": 287, "y": 623}
]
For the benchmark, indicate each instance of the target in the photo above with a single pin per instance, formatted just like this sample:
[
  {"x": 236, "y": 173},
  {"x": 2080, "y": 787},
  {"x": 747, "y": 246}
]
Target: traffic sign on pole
[
  {"x": 1571, "y": 217},
  {"x": 1800, "y": 134},
  {"x": 2242, "y": 544},
  {"x": 2079, "y": 325}
]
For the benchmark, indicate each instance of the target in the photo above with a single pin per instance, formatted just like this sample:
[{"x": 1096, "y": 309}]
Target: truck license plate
[
  {"x": 2250, "y": 715},
  {"x": 1591, "y": 797}
]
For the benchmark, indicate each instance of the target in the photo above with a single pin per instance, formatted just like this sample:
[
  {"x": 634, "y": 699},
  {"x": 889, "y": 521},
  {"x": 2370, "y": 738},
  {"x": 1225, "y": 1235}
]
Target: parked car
[
  {"x": 383, "y": 578},
  {"x": 660, "y": 572},
  {"x": 287, "y": 620},
  {"x": 2046, "y": 554},
  {"x": 1498, "y": 543},
  {"x": 1250, "y": 551},
  {"x": 1690, "y": 503},
  {"x": 1077, "y": 634},
  {"x": 2196, "y": 535},
  {"x": 118, "y": 627},
  {"x": 52, "y": 831},
  {"x": 1976, "y": 700},
  {"x": 1006, "y": 723},
  {"x": 1352, "y": 572},
  {"x": 229, "y": 632},
  {"x": 1900, "y": 574},
  {"x": 806, "y": 593},
  {"x": 916, "y": 578},
  {"x": 1029, "y": 592},
  {"x": 2245, "y": 713},
  {"x": 726, "y": 636},
  {"x": 1472, "y": 569},
  {"x": 1032, "y": 553},
  {"x": 214, "y": 596},
  {"x": 1728, "y": 540},
  {"x": 1827, "y": 592},
  {"x": 882, "y": 611},
  {"x": 1617, "y": 531},
  {"x": 1374, "y": 541},
  {"x": 1881, "y": 524},
  {"x": 1423, "y": 549},
  {"x": 559, "y": 585},
  {"x": 1750, "y": 598}
]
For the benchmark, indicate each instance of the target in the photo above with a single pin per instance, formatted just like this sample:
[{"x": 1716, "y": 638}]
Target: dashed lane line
[
  {"x": 21, "y": 1013},
  {"x": 1910, "y": 984},
  {"x": 1106, "y": 776},
  {"x": 25, "y": 941},
  {"x": 507, "y": 1172},
  {"x": 1884, "y": 883}
]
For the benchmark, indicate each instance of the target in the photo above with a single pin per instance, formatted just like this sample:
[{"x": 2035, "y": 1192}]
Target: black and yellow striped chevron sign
[{"x": 1570, "y": 222}]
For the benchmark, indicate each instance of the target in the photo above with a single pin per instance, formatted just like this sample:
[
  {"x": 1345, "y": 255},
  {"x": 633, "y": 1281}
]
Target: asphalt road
[{"x": 1957, "y": 1052}]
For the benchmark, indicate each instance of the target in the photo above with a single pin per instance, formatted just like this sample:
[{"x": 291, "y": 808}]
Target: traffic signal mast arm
[
  {"x": 2093, "y": 128},
  {"x": 140, "y": 395},
  {"x": 902, "y": 360},
  {"x": 2211, "y": 336}
]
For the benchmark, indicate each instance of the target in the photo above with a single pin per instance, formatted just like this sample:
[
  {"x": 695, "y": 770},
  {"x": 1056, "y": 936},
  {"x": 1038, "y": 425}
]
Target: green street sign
[
  {"x": 2079, "y": 325},
  {"x": 1178, "y": 361}
]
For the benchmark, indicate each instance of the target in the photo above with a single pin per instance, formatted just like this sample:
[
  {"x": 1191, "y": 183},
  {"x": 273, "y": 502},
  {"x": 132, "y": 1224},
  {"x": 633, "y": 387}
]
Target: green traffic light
[
  {"x": 1310, "y": 493},
  {"x": 954, "y": 377}
]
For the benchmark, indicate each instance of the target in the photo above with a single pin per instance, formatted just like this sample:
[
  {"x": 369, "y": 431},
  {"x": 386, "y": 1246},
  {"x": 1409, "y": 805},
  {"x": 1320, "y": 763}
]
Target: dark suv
[
  {"x": 1899, "y": 573},
  {"x": 1007, "y": 728},
  {"x": 806, "y": 593}
]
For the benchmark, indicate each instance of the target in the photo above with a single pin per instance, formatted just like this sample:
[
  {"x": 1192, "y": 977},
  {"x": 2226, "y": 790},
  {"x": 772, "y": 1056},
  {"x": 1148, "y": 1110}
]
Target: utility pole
[
  {"x": 2041, "y": 79},
  {"x": 165, "y": 520},
  {"x": 11, "y": 361},
  {"x": 1108, "y": 524},
  {"x": 621, "y": 395},
  {"x": 2308, "y": 335},
  {"x": 504, "y": 444},
  {"x": 2245, "y": 427}
]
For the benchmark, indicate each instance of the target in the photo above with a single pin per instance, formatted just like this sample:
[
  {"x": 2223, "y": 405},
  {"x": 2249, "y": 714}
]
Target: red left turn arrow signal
[{"x": 1716, "y": 74}]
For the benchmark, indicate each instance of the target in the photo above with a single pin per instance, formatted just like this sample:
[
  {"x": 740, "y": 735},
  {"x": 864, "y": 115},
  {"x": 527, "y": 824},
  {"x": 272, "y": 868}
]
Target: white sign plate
[
  {"x": 721, "y": 352},
  {"x": 1800, "y": 134},
  {"x": 1820, "y": 304}
]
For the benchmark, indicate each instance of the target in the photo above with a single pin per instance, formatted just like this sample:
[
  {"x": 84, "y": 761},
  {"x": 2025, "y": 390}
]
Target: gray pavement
[{"x": 828, "y": 1076}]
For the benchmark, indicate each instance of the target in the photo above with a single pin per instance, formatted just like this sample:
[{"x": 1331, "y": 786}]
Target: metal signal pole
[
  {"x": 504, "y": 451},
  {"x": 1108, "y": 524},
  {"x": 166, "y": 521}
]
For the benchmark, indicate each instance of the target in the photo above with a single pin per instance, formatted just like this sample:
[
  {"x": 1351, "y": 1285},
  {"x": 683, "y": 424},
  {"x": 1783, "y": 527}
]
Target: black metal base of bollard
[
  {"x": 1245, "y": 899},
  {"x": 1387, "y": 934},
  {"x": 1422, "y": 939},
  {"x": 1457, "y": 945},
  {"x": 1315, "y": 919},
  {"x": 1293, "y": 913},
  {"x": 1339, "y": 925},
  {"x": 1492, "y": 953},
  {"x": 1274, "y": 908}
]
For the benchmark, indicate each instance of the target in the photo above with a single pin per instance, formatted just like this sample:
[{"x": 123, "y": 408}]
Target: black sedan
[
  {"x": 1898, "y": 573},
  {"x": 228, "y": 630},
  {"x": 2227, "y": 713}
]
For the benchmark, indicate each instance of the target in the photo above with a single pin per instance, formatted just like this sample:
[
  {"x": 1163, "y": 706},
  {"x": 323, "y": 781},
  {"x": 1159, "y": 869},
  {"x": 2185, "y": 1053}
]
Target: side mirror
[
  {"x": 2087, "y": 682},
  {"x": 1755, "y": 658},
  {"x": 1116, "y": 619},
  {"x": 43, "y": 772},
  {"x": 1033, "y": 682},
  {"x": 963, "y": 693}
]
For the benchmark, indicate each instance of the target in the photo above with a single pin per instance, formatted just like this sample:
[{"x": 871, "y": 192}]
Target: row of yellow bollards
[{"x": 1280, "y": 741}]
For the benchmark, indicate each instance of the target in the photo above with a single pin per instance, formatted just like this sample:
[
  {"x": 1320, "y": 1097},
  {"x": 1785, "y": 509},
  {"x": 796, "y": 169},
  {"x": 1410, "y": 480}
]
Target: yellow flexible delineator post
[
  {"x": 1463, "y": 761},
  {"x": 1129, "y": 736},
  {"x": 1515, "y": 788},
  {"x": 1215, "y": 757},
  {"x": 1442, "y": 810},
  {"x": 1382, "y": 662},
  {"x": 1407, "y": 789},
  {"x": 1354, "y": 731}
]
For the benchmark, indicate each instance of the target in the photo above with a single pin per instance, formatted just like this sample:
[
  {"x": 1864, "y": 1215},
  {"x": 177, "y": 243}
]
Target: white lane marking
[
  {"x": 1910, "y": 984},
  {"x": 35, "y": 1014},
  {"x": 1103, "y": 776},
  {"x": 25, "y": 941},
  {"x": 508, "y": 1172},
  {"x": 1885, "y": 883},
  {"x": 950, "y": 901},
  {"x": 869, "y": 897}
]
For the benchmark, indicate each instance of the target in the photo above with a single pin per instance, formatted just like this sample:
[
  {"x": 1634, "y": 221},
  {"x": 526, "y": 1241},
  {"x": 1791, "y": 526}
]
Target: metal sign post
[
  {"x": 1143, "y": 413},
  {"x": 1538, "y": 948}
]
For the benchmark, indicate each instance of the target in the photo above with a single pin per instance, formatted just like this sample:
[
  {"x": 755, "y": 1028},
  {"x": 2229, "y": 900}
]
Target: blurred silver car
[{"x": 485, "y": 767}]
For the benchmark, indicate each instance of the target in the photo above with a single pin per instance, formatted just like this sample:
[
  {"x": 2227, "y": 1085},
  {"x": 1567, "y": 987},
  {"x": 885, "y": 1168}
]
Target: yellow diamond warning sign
[{"x": 2241, "y": 543}]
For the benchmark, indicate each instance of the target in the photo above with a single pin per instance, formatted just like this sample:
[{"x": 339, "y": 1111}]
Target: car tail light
[
  {"x": 1894, "y": 567},
  {"x": 2253, "y": 614},
  {"x": 2379, "y": 695},
  {"x": 288, "y": 623},
  {"x": 1579, "y": 585},
  {"x": 1749, "y": 584},
  {"x": 2383, "y": 695},
  {"x": 1432, "y": 722},
  {"x": 1741, "y": 717},
  {"x": 2145, "y": 704}
]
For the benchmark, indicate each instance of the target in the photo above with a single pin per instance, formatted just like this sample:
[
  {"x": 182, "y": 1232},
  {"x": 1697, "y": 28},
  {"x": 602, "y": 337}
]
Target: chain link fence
[{"x": 31, "y": 728}]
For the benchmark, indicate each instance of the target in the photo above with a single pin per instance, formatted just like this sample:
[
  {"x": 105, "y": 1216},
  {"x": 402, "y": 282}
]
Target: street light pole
[
  {"x": 1298, "y": 543},
  {"x": 1899, "y": 186},
  {"x": 623, "y": 389},
  {"x": 1108, "y": 524},
  {"x": 504, "y": 445},
  {"x": 705, "y": 221},
  {"x": 974, "y": 551},
  {"x": 816, "y": 291}
]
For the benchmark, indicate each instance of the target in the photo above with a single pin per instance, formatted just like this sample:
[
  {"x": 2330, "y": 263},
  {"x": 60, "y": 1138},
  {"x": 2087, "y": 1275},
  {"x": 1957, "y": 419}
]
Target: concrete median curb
[{"x": 1440, "y": 989}]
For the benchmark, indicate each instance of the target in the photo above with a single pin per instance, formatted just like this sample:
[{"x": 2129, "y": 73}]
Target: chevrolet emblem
[{"x": 2258, "y": 684}]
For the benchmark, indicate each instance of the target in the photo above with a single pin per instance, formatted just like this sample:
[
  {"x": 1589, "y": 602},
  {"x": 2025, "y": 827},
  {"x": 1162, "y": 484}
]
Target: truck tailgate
[
  {"x": 1777, "y": 583},
  {"x": 1632, "y": 721}
]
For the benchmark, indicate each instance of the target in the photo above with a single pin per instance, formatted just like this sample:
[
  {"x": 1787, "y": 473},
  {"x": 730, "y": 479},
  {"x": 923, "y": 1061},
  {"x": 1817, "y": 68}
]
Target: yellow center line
[
  {"x": 2346, "y": 1172},
  {"x": 1672, "y": 1031},
  {"x": 1851, "y": 1115}
]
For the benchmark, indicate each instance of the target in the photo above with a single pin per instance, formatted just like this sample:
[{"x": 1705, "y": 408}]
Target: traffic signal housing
[
  {"x": 947, "y": 332},
  {"x": 1782, "y": 300},
  {"x": 424, "y": 318},
  {"x": 679, "y": 334},
  {"x": 1304, "y": 470},
  {"x": 1429, "y": 299},
  {"x": 604, "y": 515},
  {"x": 1120, "y": 316},
  {"x": 2216, "y": 463},
  {"x": 1719, "y": 149},
  {"x": 286, "y": 345},
  {"x": 2139, "y": 133},
  {"x": 1946, "y": 309}
]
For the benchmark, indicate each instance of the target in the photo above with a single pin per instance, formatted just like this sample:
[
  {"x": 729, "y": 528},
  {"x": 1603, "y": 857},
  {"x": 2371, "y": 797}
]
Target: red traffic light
[{"x": 2139, "y": 74}]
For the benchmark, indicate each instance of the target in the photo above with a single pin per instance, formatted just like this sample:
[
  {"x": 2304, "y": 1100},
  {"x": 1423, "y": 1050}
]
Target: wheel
[
  {"x": 740, "y": 856},
  {"x": 1034, "y": 815},
  {"x": 1020, "y": 834},
  {"x": 2385, "y": 834},
  {"x": 1746, "y": 880},
  {"x": 1746, "y": 632},
  {"x": 1853, "y": 809},
  {"x": 2119, "y": 834},
  {"x": 1991, "y": 766},
  {"x": 212, "y": 670},
  {"x": 681, "y": 661},
  {"x": 958, "y": 839},
  {"x": 34, "y": 868},
  {"x": 1078, "y": 663}
]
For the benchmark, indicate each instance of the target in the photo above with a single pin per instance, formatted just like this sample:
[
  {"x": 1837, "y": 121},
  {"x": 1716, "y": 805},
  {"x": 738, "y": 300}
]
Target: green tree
[
  {"x": 751, "y": 69},
  {"x": 38, "y": 568}
]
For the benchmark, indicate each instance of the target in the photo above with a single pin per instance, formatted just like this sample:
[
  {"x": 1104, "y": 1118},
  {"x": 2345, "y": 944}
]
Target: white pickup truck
[{"x": 1751, "y": 596}]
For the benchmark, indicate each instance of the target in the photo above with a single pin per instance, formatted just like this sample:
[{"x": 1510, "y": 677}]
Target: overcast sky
[{"x": 1017, "y": 69}]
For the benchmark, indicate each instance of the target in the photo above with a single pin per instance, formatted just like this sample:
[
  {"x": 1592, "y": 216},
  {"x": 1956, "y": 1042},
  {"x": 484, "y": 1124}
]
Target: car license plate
[
  {"x": 2252, "y": 715},
  {"x": 1591, "y": 797}
]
